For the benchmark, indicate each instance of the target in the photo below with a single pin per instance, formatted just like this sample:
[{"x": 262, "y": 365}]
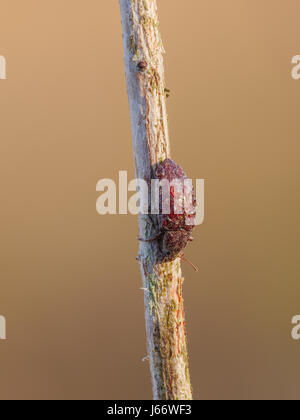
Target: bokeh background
[{"x": 70, "y": 285}]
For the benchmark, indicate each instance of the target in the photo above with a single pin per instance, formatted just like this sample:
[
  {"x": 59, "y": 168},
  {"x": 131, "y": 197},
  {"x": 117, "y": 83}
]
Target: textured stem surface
[{"x": 165, "y": 322}]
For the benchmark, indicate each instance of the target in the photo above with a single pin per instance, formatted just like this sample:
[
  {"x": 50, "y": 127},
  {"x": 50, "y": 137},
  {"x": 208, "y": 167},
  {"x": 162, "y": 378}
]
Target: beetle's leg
[
  {"x": 181, "y": 256},
  {"x": 152, "y": 221},
  {"x": 155, "y": 238}
]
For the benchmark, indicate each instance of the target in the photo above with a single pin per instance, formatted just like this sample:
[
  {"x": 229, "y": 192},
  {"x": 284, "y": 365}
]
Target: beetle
[{"x": 174, "y": 228}]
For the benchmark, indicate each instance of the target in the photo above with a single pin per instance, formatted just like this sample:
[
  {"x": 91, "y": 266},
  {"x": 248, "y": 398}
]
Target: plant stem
[{"x": 165, "y": 322}]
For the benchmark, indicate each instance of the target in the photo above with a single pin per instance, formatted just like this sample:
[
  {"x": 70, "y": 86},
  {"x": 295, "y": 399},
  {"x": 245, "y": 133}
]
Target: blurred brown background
[{"x": 69, "y": 280}]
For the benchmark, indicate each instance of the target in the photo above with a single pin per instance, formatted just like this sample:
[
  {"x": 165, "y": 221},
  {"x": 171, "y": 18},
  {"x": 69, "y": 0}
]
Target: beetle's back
[{"x": 182, "y": 198}]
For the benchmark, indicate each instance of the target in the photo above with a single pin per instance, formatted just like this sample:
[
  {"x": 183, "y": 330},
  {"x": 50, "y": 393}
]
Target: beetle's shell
[{"x": 175, "y": 228}]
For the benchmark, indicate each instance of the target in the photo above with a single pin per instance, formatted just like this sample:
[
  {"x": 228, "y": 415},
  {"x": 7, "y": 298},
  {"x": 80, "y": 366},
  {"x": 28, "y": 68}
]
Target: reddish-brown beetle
[{"x": 175, "y": 229}]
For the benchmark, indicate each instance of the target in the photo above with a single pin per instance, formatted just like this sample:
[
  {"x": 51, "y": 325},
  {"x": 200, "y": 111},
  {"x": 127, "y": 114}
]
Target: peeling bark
[{"x": 165, "y": 322}]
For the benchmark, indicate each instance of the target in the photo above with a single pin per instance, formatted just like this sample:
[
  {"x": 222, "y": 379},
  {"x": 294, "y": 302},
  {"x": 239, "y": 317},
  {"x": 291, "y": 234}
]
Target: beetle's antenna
[{"x": 189, "y": 262}]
